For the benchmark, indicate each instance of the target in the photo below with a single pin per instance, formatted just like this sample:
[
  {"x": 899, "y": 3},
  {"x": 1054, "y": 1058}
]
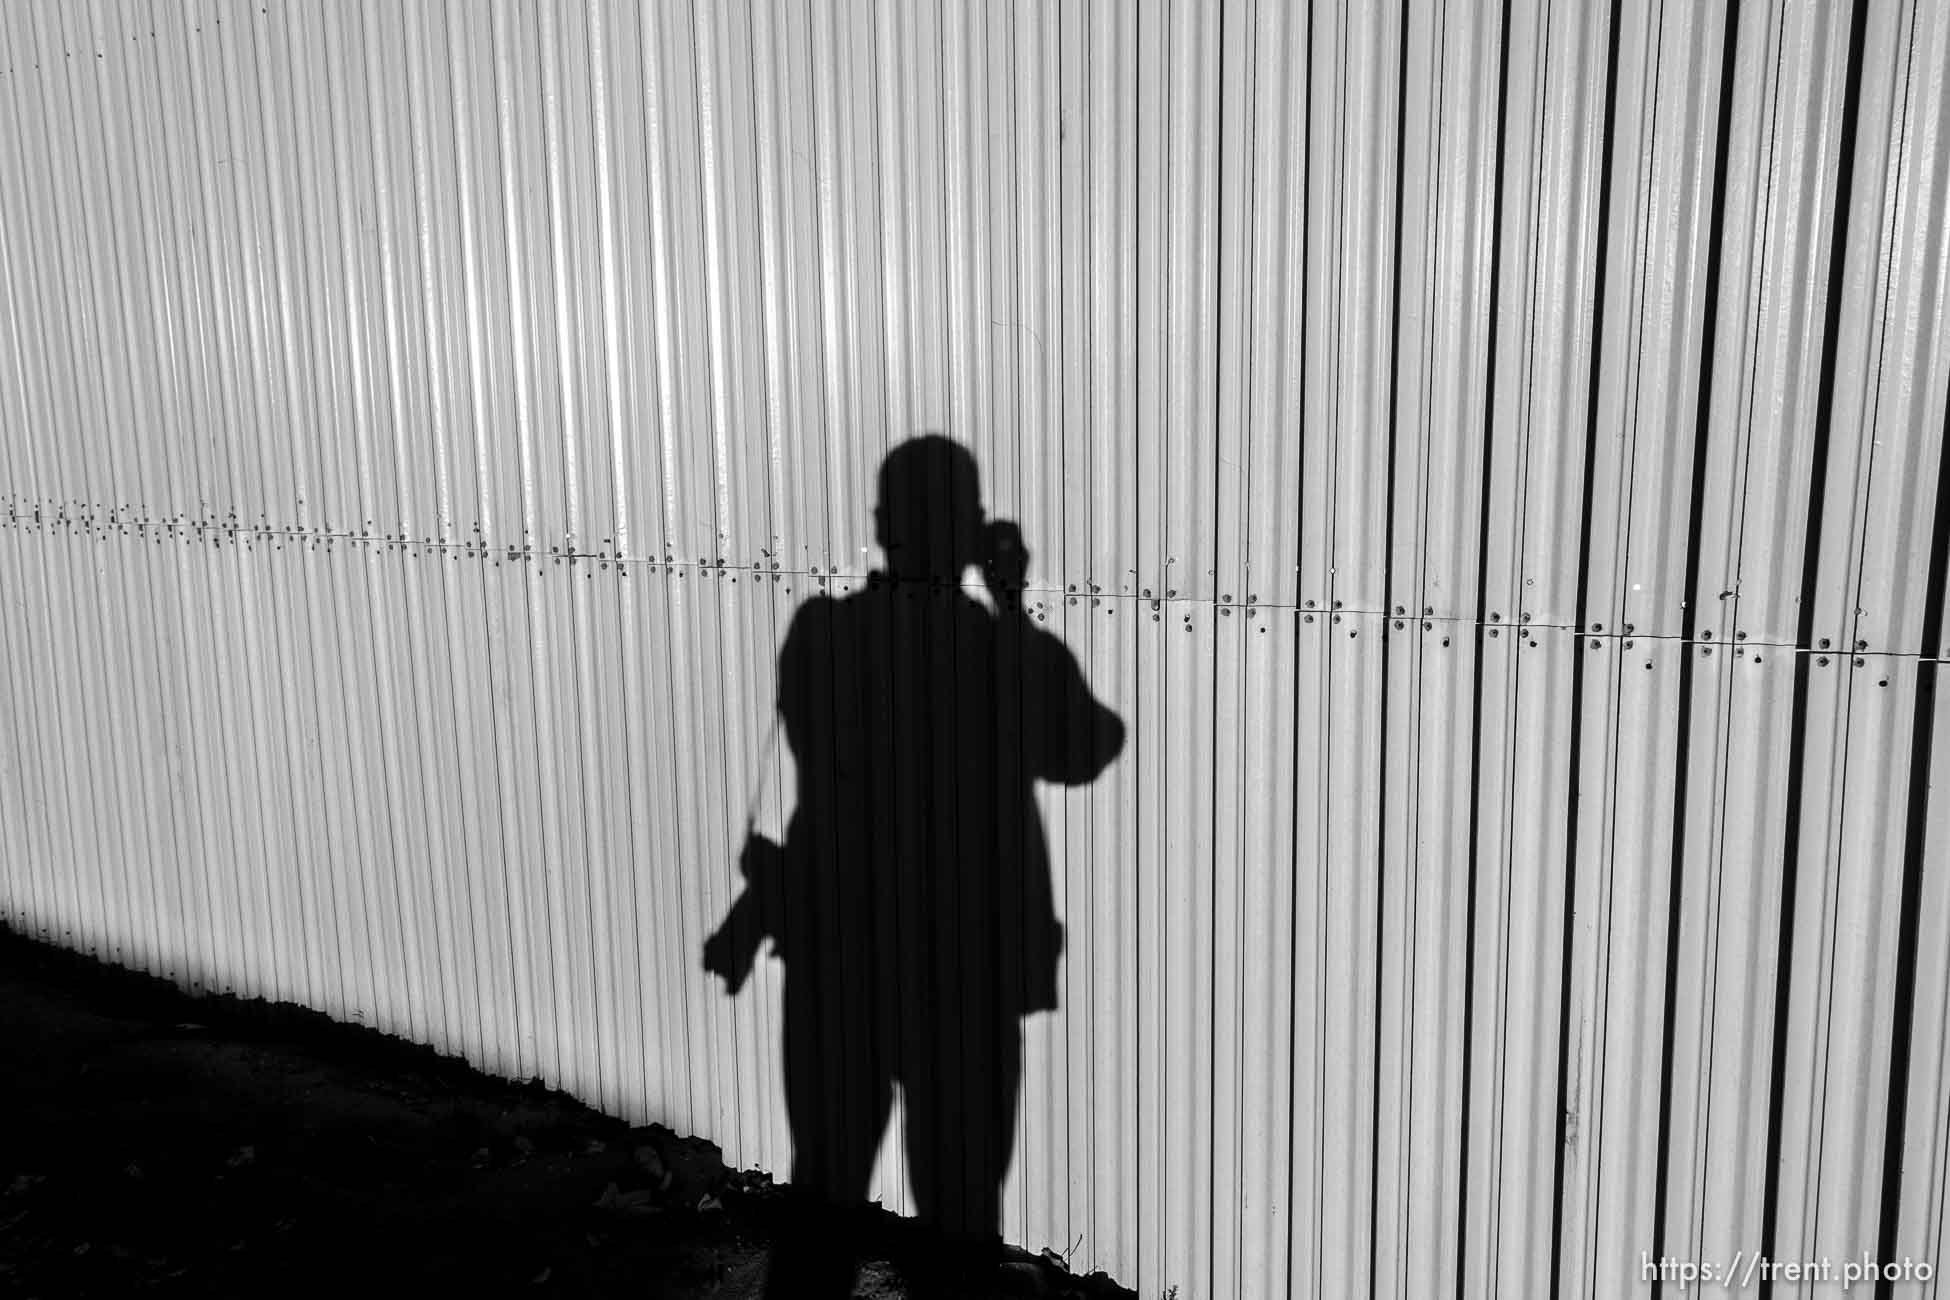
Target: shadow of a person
[{"x": 911, "y": 901}]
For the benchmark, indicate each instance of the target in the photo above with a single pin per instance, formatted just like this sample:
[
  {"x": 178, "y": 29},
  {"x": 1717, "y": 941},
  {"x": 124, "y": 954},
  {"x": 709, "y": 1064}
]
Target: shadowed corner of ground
[{"x": 166, "y": 1144}]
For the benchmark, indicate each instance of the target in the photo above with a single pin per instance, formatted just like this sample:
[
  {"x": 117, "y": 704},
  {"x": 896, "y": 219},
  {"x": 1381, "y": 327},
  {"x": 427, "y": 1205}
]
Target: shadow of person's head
[{"x": 929, "y": 517}]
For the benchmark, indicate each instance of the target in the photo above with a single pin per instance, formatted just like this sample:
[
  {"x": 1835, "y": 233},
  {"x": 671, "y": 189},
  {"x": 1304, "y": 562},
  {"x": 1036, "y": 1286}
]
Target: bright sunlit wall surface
[{"x": 1489, "y": 456}]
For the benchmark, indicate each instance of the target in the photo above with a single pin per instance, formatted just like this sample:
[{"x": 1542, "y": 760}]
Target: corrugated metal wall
[{"x": 1491, "y": 456}]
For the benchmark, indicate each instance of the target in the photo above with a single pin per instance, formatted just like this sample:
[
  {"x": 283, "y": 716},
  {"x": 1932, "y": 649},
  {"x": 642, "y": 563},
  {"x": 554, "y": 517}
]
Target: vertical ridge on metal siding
[{"x": 1492, "y": 459}]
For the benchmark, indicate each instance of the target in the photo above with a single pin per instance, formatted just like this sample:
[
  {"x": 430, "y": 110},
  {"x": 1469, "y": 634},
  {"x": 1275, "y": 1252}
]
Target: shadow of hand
[{"x": 732, "y": 949}]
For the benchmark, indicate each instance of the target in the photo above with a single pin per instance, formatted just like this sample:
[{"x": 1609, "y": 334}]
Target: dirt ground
[{"x": 159, "y": 1144}]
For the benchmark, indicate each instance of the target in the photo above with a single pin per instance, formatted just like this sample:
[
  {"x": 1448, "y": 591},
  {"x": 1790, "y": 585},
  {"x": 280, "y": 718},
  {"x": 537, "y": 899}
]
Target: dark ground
[{"x": 151, "y": 1143}]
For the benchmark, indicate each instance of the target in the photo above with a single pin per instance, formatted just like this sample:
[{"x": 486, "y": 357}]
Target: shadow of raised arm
[{"x": 1078, "y": 736}]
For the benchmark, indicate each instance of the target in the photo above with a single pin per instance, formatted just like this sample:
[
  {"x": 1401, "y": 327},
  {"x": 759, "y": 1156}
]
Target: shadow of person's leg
[
  {"x": 961, "y": 1123},
  {"x": 837, "y": 1116}
]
